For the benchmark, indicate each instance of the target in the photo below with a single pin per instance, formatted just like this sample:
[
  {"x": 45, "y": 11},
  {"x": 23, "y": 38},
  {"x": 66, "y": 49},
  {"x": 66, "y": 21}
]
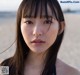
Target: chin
[{"x": 38, "y": 51}]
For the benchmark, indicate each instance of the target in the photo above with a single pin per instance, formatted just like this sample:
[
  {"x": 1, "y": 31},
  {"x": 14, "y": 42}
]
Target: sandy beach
[{"x": 69, "y": 50}]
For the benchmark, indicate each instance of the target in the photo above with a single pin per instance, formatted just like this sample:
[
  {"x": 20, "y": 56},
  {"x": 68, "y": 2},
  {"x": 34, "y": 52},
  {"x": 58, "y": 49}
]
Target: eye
[
  {"x": 28, "y": 22},
  {"x": 48, "y": 22}
]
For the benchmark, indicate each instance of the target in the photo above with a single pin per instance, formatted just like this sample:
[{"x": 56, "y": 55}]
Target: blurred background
[{"x": 70, "y": 48}]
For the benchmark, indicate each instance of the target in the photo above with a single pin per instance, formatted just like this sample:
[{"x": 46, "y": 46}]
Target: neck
[{"x": 36, "y": 59}]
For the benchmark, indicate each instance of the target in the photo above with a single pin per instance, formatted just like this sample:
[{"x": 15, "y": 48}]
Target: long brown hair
[{"x": 27, "y": 7}]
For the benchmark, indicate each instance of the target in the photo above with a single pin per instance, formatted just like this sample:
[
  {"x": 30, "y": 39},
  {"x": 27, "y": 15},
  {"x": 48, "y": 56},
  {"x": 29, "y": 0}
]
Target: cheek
[
  {"x": 54, "y": 30},
  {"x": 52, "y": 34},
  {"x": 25, "y": 32}
]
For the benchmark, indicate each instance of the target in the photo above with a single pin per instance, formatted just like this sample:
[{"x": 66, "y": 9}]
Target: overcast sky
[{"x": 12, "y": 5}]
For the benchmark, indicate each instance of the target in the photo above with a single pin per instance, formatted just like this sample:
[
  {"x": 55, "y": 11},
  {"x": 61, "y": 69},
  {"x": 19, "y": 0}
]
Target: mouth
[{"x": 37, "y": 41}]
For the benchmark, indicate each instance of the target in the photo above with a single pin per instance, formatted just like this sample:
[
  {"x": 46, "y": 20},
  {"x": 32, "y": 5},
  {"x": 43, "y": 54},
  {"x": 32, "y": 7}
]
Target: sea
[{"x": 12, "y": 14}]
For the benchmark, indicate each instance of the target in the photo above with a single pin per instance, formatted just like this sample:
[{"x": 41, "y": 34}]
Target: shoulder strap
[{"x": 54, "y": 68}]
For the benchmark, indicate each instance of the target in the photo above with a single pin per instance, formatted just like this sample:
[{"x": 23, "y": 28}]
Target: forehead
[
  {"x": 42, "y": 13},
  {"x": 45, "y": 12}
]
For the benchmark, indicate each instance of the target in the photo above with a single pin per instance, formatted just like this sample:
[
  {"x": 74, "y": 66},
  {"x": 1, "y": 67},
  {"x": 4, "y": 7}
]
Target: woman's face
[
  {"x": 39, "y": 33},
  {"x": 35, "y": 30}
]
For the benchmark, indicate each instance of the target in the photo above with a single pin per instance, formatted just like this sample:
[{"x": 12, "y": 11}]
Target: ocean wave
[{"x": 7, "y": 14}]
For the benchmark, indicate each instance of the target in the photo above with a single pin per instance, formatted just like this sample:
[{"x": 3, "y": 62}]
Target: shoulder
[
  {"x": 8, "y": 62},
  {"x": 64, "y": 69},
  {"x": 5, "y": 62}
]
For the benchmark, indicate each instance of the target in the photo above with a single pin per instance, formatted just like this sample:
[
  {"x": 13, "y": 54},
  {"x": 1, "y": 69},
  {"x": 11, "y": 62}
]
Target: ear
[{"x": 62, "y": 27}]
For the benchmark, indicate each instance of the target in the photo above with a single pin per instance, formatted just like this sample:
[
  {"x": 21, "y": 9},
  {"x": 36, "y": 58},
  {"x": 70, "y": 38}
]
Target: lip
[{"x": 37, "y": 41}]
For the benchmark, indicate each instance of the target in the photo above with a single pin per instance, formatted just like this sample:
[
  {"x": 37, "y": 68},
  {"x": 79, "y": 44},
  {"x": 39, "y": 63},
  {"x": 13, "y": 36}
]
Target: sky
[{"x": 12, "y": 5}]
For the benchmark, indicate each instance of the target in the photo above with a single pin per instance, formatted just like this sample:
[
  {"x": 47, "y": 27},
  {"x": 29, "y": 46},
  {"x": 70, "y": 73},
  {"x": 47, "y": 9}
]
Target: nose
[{"x": 37, "y": 31}]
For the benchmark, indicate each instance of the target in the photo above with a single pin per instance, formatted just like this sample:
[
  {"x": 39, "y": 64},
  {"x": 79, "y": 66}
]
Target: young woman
[{"x": 40, "y": 30}]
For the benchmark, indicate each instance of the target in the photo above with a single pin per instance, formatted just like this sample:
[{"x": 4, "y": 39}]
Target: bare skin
[
  {"x": 35, "y": 65},
  {"x": 65, "y": 69}
]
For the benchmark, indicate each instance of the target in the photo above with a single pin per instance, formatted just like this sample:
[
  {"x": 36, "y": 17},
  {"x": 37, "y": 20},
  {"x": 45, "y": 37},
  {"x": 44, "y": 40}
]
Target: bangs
[{"x": 39, "y": 8}]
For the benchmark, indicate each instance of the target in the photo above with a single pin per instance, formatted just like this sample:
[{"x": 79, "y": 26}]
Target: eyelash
[
  {"x": 48, "y": 21},
  {"x": 30, "y": 22}
]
